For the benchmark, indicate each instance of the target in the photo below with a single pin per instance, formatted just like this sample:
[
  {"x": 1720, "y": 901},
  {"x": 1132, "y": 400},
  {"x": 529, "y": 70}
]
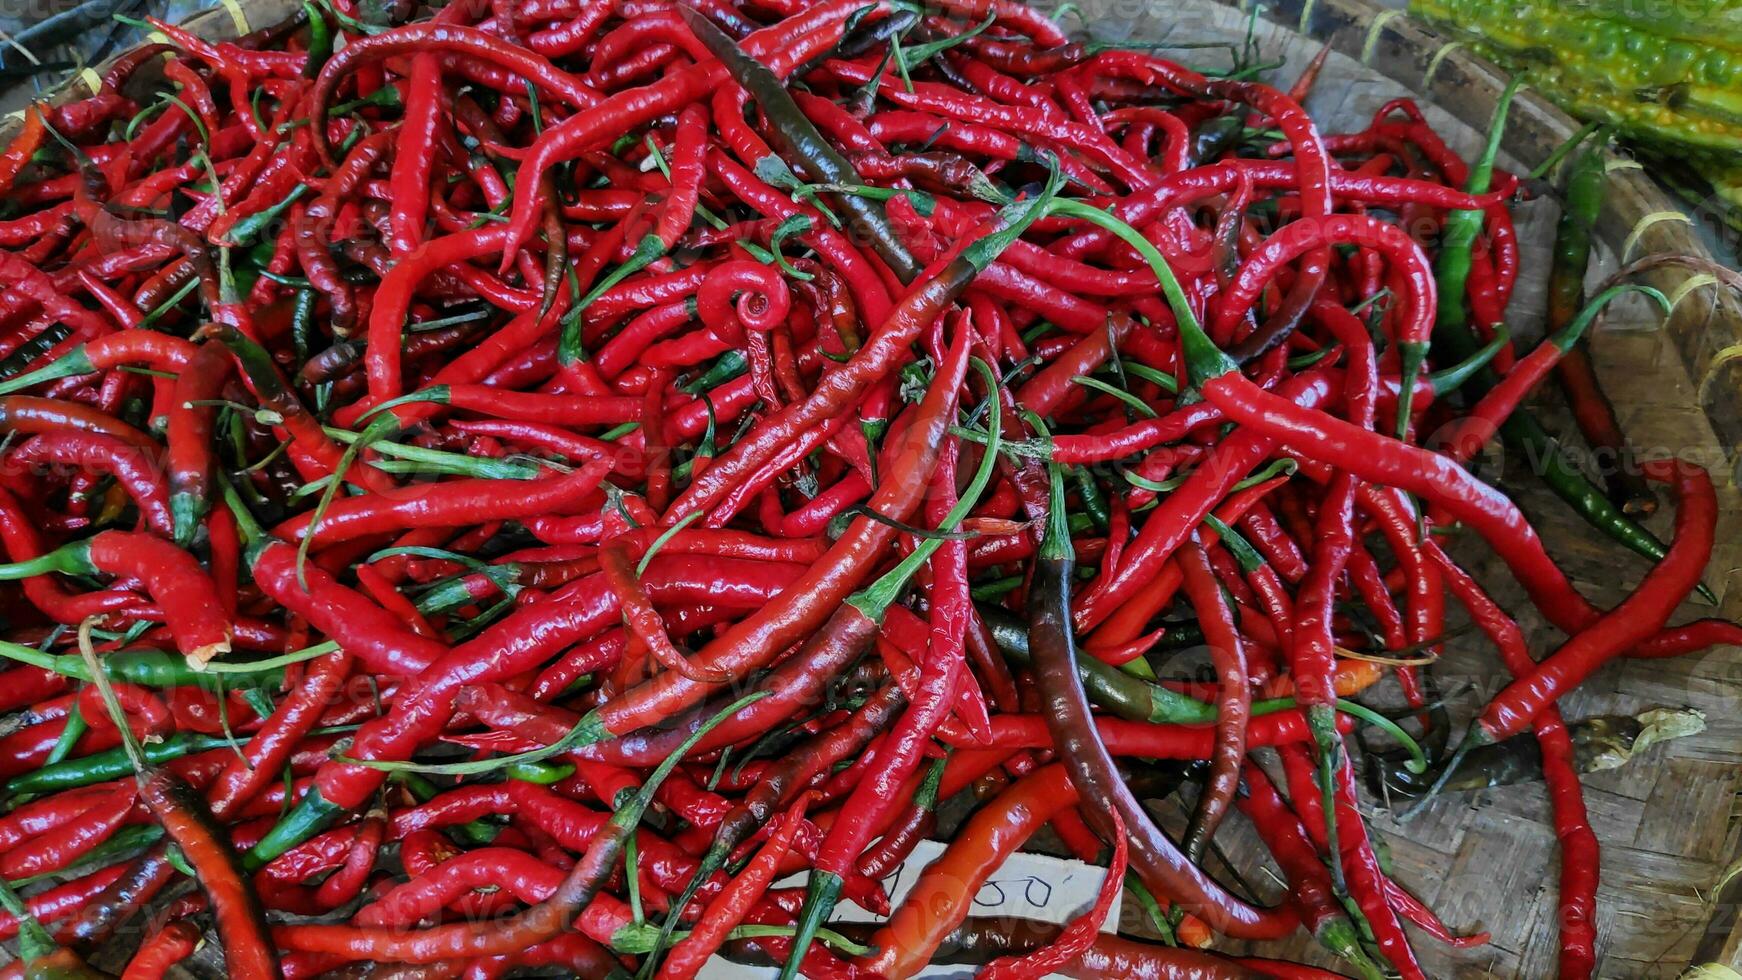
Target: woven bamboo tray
[{"x": 1487, "y": 860}]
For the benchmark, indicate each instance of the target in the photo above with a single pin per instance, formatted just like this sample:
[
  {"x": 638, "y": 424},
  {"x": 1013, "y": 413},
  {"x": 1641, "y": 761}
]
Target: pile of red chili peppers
[{"x": 535, "y": 474}]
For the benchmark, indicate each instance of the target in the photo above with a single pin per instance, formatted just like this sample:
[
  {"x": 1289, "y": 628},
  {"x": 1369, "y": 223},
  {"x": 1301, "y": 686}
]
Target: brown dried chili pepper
[
  {"x": 1233, "y": 697},
  {"x": 248, "y": 950},
  {"x": 1085, "y": 756}
]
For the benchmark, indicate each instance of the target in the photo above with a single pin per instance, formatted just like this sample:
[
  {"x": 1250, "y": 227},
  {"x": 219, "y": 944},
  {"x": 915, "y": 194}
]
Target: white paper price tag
[{"x": 1027, "y": 886}]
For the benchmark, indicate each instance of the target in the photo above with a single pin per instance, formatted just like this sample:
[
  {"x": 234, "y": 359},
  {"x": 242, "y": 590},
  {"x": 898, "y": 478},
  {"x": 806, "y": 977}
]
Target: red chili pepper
[
  {"x": 543, "y": 921},
  {"x": 23, "y": 147},
  {"x": 867, "y": 808},
  {"x": 1310, "y": 884},
  {"x": 175, "y": 581},
  {"x": 799, "y": 424},
  {"x": 248, "y": 951},
  {"x": 54, "y": 904},
  {"x": 1366, "y": 882},
  {"x": 162, "y": 950},
  {"x": 643, "y": 620},
  {"x": 510, "y": 647},
  {"x": 1579, "y": 845},
  {"x": 190, "y": 460},
  {"x": 105, "y": 454},
  {"x": 458, "y": 502},
  {"x": 71, "y": 829},
  {"x": 1636, "y": 619},
  {"x": 1233, "y": 697},
  {"x": 1184, "y": 509},
  {"x": 1115, "y": 956},
  {"x": 18, "y": 273},
  {"x": 729, "y": 907},
  {"x": 942, "y": 895},
  {"x": 1474, "y": 429},
  {"x": 1373, "y": 457},
  {"x": 778, "y": 47},
  {"x": 24, "y": 543},
  {"x": 381, "y": 642},
  {"x": 394, "y": 296},
  {"x": 1077, "y": 937},
  {"x": 414, "y": 152},
  {"x": 437, "y": 37},
  {"x": 269, "y": 749},
  {"x": 153, "y": 715},
  {"x": 742, "y": 297}
]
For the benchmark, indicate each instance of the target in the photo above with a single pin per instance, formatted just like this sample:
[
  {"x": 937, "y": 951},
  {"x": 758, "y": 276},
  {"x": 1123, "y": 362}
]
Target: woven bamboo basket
[{"x": 1487, "y": 860}]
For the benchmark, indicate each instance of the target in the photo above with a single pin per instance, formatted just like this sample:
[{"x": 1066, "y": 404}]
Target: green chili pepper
[
  {"x": 320, "y": 42},
  {"x": 248, "y": 230},
  {"x": 112, "y": 764},
  {"x": 1121, "y": 693},
  {"x": 75, "y": 729},
  {"x": 146, "y": 668},
  {"x": 542, "y": 773},
  {"x": 1521, "y": 432}
]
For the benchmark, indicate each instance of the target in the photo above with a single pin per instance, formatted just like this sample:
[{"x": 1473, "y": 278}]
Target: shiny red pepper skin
[
  {"x": 162, "y": 950},
  {"x": 447, "y": 504},
  {"x": 248, "y": 950},
  {"x": 1636, "y": 619},
  {"x": 100, "y": 453}
]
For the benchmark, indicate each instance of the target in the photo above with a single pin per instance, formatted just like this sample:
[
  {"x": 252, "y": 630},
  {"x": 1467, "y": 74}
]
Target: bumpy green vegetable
[
  {"x": 1659, "y": 73},
  {"x": 1702, "y": 21}
]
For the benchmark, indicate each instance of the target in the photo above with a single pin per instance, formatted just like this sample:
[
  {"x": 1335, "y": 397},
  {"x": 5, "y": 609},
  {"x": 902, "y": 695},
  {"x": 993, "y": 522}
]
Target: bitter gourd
[{"x": 1666, "y": 74}]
